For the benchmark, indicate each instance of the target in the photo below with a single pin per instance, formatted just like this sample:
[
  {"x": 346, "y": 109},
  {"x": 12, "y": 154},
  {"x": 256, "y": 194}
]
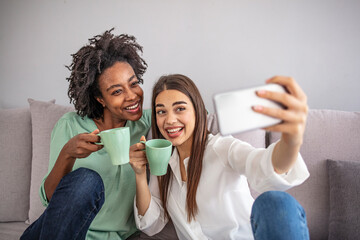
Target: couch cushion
[
  {"x": 344, "y": 181},
  {"x": 15, "y": 164},
  {"x": 256, "y": 137},
  {"x": 329, "y": 134},
  {"x": 12, "y": 230},
  {"x": 44, "y": 115}
]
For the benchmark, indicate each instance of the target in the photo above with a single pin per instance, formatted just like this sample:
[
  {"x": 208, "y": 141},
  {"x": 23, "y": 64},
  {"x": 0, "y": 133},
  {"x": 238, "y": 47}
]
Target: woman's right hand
[
  {"x": 138, "y": 159},
  {"x": 138, "y": 162},
  {"x": 82, "y": 145}
]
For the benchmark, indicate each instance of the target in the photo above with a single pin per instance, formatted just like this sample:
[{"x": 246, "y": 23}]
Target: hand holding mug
[
  {"x": 82, "y": 145},
  {"x": 138, "y": 159}
]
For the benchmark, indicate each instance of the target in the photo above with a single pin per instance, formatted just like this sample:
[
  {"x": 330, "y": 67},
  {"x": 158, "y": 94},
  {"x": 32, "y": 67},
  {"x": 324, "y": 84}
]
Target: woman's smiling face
[
  {"x": 175, "y": 117},
  {"x": 121, "y": 92}
]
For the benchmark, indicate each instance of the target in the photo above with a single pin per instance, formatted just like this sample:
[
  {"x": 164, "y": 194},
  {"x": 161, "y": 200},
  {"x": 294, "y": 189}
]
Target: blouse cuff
[
  {"x": 151, "y": 214},
  {"x": 295, "y": 176}
]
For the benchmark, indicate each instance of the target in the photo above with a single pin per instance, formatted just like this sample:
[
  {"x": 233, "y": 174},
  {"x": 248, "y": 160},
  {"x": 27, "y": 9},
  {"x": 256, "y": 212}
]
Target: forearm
[
  {"x": 143, "y": 196},
  {"x": 284, "y": 156},
  {"x": 63, "y": 166}
]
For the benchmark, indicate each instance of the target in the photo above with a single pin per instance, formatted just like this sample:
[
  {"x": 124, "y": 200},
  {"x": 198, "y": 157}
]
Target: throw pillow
[
  {"x": 44, "y": 116},
  {"x": 344, "y": 182},
  {"x": 15, "y": 164}
]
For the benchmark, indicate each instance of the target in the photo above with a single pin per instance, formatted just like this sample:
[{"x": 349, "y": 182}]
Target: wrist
[
  {"x": 141, "y": 177},
  {"x": 291, "y": 142},
  {"x": 66, "y": 158}
]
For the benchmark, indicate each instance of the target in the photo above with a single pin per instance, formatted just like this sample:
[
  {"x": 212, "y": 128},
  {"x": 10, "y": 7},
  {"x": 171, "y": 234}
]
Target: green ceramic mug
[
  {"x": 158, "y": 153},
  {"x": 116, "y": 142}
]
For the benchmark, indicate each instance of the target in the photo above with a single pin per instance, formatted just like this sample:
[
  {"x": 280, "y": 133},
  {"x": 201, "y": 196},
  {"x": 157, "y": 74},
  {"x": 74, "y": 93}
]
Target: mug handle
[
  {"x": 144, "y": 142},
  {"x": 99, "y": 143}
]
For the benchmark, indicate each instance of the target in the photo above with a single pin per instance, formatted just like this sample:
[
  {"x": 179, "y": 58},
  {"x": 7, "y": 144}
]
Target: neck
[
  {"x": 108, "y": 121},
  {"x": 184, "y": 151}
]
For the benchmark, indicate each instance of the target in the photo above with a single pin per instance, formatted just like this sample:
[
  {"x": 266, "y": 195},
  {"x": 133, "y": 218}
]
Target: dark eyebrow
[
  {"x": 175, "y": 103},
  {"x": 179, "y": 102},
  {"x": 159, "y": 105},
  {"x": 119, "y": 85}
]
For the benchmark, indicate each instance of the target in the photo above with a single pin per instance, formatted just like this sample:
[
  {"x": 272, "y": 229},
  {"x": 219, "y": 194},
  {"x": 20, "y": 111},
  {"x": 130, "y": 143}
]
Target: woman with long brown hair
[{"x": 205, "y": 190}]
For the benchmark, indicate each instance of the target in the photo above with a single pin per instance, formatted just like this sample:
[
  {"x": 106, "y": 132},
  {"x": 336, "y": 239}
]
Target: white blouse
[{"x": 223, "y": 195}]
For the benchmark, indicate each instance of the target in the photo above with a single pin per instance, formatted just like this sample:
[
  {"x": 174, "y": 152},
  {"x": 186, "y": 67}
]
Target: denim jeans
[
  {"x": 277, "y": 215},
  {"x": 77, "y": 199}
]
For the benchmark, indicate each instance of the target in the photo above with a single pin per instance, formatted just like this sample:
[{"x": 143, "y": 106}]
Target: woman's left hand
[{"x": 294, "y": 115}]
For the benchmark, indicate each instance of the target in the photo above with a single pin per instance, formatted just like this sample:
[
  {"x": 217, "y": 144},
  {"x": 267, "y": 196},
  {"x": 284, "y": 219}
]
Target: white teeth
[
  {"x": 174, "y": 130},
  {"x": 133, "y": 106}
]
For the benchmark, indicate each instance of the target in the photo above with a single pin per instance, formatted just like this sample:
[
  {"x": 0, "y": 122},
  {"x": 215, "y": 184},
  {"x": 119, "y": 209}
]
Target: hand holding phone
[{"x": 234, "y": 109}]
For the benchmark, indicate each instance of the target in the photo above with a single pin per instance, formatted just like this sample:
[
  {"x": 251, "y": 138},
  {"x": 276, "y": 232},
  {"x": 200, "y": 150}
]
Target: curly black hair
[{"x": 92, "y": 60}]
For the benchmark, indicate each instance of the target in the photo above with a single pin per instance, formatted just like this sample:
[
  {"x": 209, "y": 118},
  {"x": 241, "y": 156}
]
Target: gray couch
[{"x": 330, "y": 196}]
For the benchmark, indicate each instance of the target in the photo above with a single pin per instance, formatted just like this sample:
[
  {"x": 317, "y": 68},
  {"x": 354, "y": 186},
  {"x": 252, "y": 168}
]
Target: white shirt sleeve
[
  {"x": 154, "y": 219},
  {"x": 256, "y": 165}
]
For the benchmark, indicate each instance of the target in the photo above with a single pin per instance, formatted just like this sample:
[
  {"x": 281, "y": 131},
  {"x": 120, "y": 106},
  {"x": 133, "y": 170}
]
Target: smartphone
[{"x": 234, "y": 109}]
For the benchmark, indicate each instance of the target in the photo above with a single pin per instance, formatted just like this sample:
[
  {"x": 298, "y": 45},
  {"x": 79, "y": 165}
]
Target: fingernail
[
  {"x": 257, "y": 108},
  {"x": 261, "y": 92}
]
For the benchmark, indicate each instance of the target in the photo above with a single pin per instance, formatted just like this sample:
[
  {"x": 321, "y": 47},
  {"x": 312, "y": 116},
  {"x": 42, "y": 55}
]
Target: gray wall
[{"x": 221, "y": 44}]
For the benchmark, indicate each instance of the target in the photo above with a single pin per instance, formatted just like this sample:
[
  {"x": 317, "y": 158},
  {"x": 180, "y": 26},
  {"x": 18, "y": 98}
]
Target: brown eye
[
  {"x": 160, "y": 112},
  {"x": 135, "y": 83},
  {"x": 117, "y": 92},
  {"x": 179, "y": 109}
]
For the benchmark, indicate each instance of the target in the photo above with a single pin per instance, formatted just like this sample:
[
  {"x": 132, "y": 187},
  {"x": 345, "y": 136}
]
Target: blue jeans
[
  {"x": 277, "y": 215},
  {"x": 77, "y": 199}
]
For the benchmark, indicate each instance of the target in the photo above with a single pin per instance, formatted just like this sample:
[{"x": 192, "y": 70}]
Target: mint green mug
[
  {"x": 116, "y": 142},
  {"x": 158, "y": 153}
]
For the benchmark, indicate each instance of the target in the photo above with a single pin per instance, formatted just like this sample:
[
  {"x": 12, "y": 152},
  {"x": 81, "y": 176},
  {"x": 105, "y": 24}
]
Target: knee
[
  {"x": 273, "y": 197},
  {"x": 279, "y": 215},
  {"x": 277, "y": 202},
  {"x": 87, "y": 186}
]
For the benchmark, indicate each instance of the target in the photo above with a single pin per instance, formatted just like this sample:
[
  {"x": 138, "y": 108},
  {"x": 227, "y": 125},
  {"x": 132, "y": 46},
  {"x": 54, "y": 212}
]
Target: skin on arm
[
  {"x": 138, "y": 162},
  {"x": 80, "y": 146},
  {"x": 293, "y": 125}
]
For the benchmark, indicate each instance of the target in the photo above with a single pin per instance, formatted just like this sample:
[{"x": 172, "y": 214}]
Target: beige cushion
[
  {"x": 12, "y": 230},
  {"x": 256, "y": 137},
  {"x": 44, "y": 116},
  {"x": 329, "y": 134},
  {"x": 15, "y": 164}
]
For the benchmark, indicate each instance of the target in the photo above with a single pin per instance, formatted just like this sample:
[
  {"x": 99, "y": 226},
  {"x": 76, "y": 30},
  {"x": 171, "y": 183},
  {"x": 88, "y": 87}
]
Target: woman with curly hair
[{"x": 86, "y": 196}]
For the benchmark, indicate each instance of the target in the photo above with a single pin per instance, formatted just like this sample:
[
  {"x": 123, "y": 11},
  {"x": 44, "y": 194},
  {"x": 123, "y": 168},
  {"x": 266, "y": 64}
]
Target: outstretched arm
[{"x": 293, "y": 125}]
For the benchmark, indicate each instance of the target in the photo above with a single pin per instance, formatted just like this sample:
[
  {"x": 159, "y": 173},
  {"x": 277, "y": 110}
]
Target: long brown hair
[{"x": 186, "y": 86}]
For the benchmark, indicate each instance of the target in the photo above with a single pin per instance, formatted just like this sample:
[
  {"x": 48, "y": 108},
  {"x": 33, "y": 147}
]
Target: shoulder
[
  {"x": 145, "y": 118},
  {"x": 224, "y": 144},
  {"x": 219, "y": 140},
  {"x": 70, "y": 117},
  {"x": 72, "y": 120}
]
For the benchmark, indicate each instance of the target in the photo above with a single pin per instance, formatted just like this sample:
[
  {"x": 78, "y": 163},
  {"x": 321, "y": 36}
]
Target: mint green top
[{"x": 115, "y": 219}]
